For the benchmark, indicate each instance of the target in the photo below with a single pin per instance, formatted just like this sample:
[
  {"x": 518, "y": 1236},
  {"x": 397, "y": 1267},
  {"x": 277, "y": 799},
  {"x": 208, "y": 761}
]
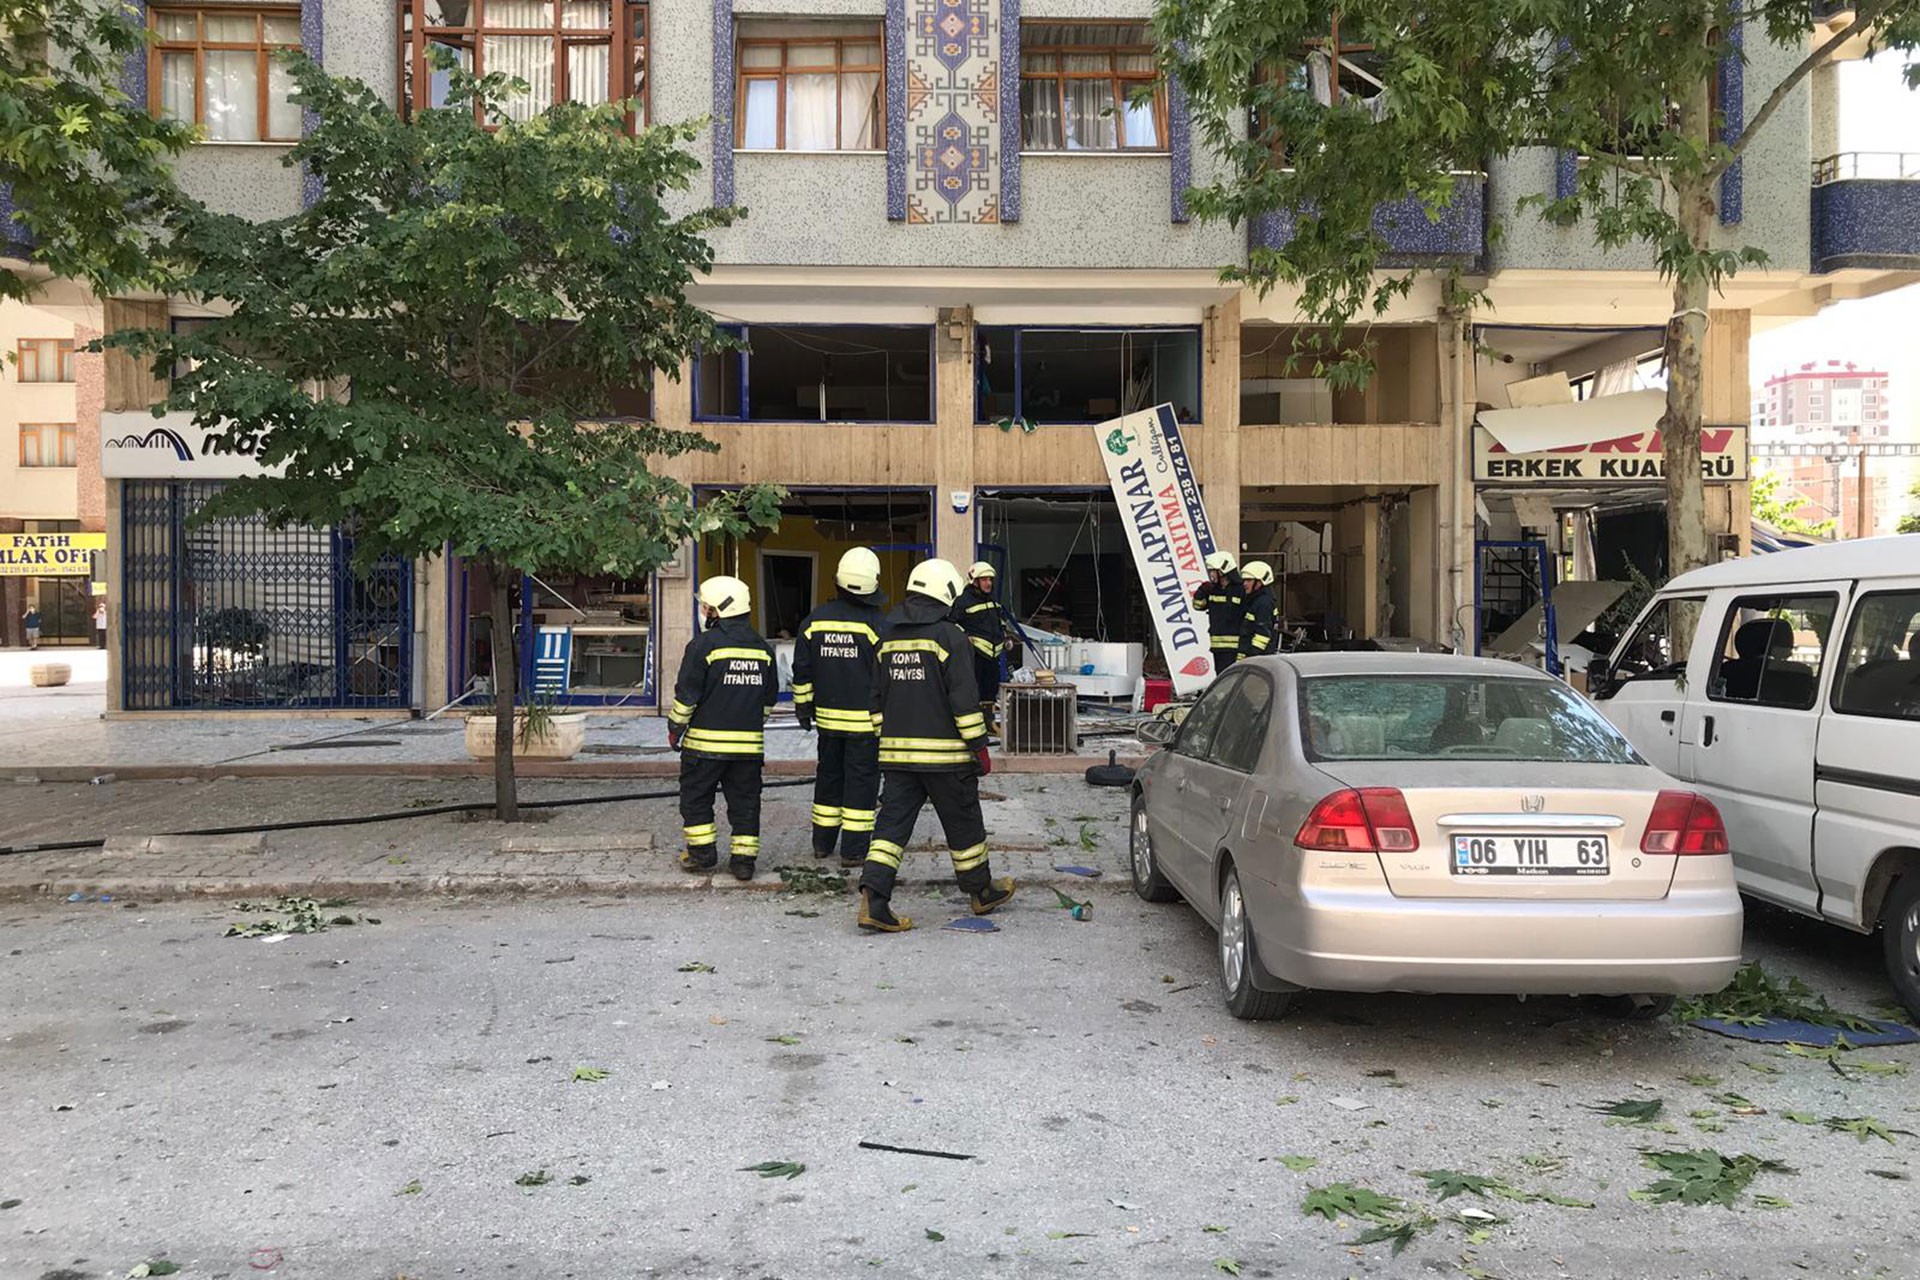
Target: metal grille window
[
  {"x": 46, "y": 360},
  {"x": 214, "y": 67},
  {"x": 49, "y": 444},
  {"x": 1076, "y": 88},
  {"x": 809, "y": 86},
  {"x": 237, "y": 614},
  {"x": 588, "y": 51}
]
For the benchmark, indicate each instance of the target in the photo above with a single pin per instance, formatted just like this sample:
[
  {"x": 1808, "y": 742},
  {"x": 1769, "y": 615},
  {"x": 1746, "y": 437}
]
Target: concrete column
[
  {"x": 430, "y": 607},
  {"x": 1219, "y": 446},
  {"x": 954, "y": 435},
  {"x": 673, "y": 585},
  {"x": 1423, "y": 542},
  {"x": 1453, "y": 564},
  {"x": 1729, "y": 402}
]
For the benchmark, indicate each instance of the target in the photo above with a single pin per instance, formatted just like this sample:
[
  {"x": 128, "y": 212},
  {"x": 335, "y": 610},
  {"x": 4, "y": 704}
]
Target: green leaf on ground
[
  {"x": 697, "y": 966},
  {"x": 1762, "y": 1068},
  {"x": 1756, "y": 996},
  {"x": 534, "y": 1178},
  {"x": 1342, "y": 1199},
  {"x": 1214, "y": 1231},
  {"x": 775, "y": 1169},
  {"x": 1565, "y": 1202},
  {"x": 589, "y": 1075},
  {"x": 1800, "y": 1117},
  {"x": 1088, "y": 840},
  {"x": 784, "y": 1039},
  {"x": 578, "y": 1180},
  {"x": 1891, "y": 1175},
  {"x": 1544, "y": 1163},
  {"x": 1701, "y": 1081},
  {"x": 1068, "y": 1235},
  {"x": 1400, "y": 1234},
  {"x": 1864, "y": 1127},
  {"x": 1739, "y": 1105},
  {"x": 1229, "y": 1265},
  {"x": 1299, "y": 1164},
  {"x": 1772, "y": 1202},
  {"x": 1702, "y": 1176},
  {"x": 411, "y": 1189},
  {"x": 1286, "y": 1100},
  {"x": 934, "y": 1236},
  {"x": 1448, "y": 1183},
  {"x": 1630, "y": 1110}
]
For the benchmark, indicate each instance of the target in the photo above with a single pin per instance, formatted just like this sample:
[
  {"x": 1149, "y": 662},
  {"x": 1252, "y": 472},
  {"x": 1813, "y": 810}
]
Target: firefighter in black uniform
[
  {"x": 718, "y": 724},
  {"x": 984, "y": 621},
  {"x": 1226, "y": 610},
  {"x": 833, "y": 664},
  {"x": 933, "y": 746},
  {"x": 1257, "y": 632}
]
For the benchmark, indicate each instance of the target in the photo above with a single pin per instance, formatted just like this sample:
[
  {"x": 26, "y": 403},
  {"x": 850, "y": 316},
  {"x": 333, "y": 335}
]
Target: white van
[{"x": 1796, "y": 709}]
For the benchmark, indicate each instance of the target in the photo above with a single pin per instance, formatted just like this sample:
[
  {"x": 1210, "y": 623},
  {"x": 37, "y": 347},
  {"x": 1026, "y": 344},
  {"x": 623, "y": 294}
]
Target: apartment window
[
  {"x": 215, "y": 68},
  {"x": 818, "y": 373},
  {"x": 49, "y": 444},
  {"x": 809, "y": 86},
  {"x": 1077, "y": 82},
  {"x": 588, "y": 51},
  {"x": 1084, "y": 375},
  {"x": 46, "y": 360}
]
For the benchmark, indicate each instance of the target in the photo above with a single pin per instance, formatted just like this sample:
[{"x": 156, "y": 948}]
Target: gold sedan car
[{"x": 1429, "y": 823}]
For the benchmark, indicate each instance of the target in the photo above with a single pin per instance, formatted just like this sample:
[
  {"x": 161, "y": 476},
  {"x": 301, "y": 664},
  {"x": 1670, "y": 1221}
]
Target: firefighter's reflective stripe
[
  {"x": 857, "y": 820},
  {"x": 982, "y": 607},
  {"x": 725, "y": 742},
  {"x": 885, "y": 852},
  {"x": 746, "y": 846},
  {"x": 680, "y": 712},
  {"x": 878, "y": 720},
  {"x": 971, "y": 725},
  {"x": 749, "y": 655},
  {"x": 802, "y": 694},
  {"x": 1260, "y": 640},
  {"x": 1218, "y": 642},
  {"x": 826, "y": 815},
  {"x": 985, "y": 647},
  {"x": 705, "y": 833},
  {"x": 916, "y": 646},
  {"x": 844, "y": 721},
  {"x": 969, "y": 858},
  {"x": 897, "y": 755},
  {"x": 829, "y": 626}
]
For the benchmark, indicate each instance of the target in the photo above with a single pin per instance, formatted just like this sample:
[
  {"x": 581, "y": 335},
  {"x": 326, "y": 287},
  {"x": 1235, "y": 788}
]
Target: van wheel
[
  {"x": 1244, "y": 1000},
  {"x": 1147, "y": 880},
  {"x": 1900, "y": 927}
]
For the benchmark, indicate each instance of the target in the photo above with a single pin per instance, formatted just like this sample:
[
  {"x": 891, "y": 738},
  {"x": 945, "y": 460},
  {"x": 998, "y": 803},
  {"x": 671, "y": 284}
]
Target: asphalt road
[{"x": 360, "y": 1103}]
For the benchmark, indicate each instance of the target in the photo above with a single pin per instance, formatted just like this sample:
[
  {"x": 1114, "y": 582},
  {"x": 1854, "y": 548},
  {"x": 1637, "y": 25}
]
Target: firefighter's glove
[{"x": 983, "y": 761}]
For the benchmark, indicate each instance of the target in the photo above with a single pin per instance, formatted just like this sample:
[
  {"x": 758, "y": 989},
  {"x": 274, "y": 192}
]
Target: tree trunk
[
  {"x": 1688, "y": 545},
  {"x": 506, "y": 680}
]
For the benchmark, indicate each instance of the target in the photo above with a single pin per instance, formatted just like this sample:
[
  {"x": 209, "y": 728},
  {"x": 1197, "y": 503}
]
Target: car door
[
  {"x": 1748, "y": 731},
  {"x": 1175, "y": 808},
  {"x": 1646, "y": 684},
  {"x": 1218, "y": 789}
]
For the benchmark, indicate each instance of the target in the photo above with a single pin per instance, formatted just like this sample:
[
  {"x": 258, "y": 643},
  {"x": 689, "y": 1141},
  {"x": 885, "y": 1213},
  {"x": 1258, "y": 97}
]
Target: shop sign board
[
  {"x": 1629, "y": 459},
  {"x": 136, "y": 445},
  {"x": 1159, "y": 500},
  {"x": 49, "y": 555}
]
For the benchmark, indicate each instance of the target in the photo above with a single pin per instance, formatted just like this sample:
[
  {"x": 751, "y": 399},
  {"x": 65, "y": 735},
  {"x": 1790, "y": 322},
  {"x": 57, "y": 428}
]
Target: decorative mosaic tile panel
[{"x": 952, "y": 110}]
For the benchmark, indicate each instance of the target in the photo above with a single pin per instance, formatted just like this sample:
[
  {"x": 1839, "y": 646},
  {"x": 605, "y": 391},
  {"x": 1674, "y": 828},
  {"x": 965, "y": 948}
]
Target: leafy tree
[
  {"x": 1910, "y": 523},
  {"x": 1624, "y": 83},
  {"x": 1775, "y": 507},
  {"x": 428, "y": 355},
  {"x": 85, "y": 166}
]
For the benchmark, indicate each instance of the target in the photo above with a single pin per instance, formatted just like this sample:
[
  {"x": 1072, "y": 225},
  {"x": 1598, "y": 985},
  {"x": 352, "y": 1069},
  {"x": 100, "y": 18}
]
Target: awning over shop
[{"x": 1537, "y": 428}]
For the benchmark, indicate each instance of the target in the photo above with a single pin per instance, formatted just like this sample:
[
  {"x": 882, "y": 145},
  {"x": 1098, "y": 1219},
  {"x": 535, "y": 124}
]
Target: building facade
[
  {"x": 965, "y": 244},
  {"x": 1828, "y": 410}
]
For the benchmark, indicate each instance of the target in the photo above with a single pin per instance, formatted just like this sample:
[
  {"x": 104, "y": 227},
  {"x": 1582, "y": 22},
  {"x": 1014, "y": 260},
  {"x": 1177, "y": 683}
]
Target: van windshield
[{"x": 1454, "y": 717}]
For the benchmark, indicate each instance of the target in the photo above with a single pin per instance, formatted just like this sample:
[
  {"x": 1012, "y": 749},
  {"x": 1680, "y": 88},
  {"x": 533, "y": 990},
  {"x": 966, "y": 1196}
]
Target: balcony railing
[
  {"x": 1884, "y": 166},
  {"x": 1457, "y": 234}
]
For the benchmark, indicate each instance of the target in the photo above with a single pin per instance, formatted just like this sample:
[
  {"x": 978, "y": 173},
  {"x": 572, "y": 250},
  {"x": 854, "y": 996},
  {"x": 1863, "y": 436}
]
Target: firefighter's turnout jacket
[
  {"x": 1226, "y": 612},
  {"x": 1256, "y": 634},
  {"x": 726, "y": 687},
  {"x": 925, "y": 702},
  {"x": 833, "y": 663},
  {"x": 983, "y": 621}
]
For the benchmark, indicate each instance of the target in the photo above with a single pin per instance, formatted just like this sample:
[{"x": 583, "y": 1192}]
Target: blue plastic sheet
[{"x": 1789, "y": 1031}]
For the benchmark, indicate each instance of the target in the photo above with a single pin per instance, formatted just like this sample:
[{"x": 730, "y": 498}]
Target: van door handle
[
  {"x": 1706, "y": 731},
  {"x": 1666, "y": 717}
]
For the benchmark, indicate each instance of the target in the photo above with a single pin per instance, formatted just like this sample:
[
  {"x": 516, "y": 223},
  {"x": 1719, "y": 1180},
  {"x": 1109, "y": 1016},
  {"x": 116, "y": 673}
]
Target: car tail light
[
  {"x": 1682, "y": 822},
  {"x": 1360, "y": 820}
]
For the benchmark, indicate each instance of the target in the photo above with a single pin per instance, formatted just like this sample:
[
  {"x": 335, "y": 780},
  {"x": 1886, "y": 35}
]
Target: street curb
[{"x": 523, "y": 770}]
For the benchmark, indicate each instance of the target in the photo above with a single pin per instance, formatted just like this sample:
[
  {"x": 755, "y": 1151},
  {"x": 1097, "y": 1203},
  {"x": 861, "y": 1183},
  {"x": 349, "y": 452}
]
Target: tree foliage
[
  {"x": 429, "y": 354},
  {"x": 1775, "y": 506},
  {"x": 1624, "y": 84},
  {"x": 84, "y": 166}
]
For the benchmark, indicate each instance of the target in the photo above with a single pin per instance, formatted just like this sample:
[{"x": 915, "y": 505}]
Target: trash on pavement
[
  {"x": 1090, "y": 873},
  {"x": 972, "y": 924},
  {"x": 775, "y": 1169},
  {"x": 912, "y": 1151},
  {"x": 1349, "y": 1104},
  {"x": 1794, "y": 1031},
  {"x": 1078, "y": 910}
]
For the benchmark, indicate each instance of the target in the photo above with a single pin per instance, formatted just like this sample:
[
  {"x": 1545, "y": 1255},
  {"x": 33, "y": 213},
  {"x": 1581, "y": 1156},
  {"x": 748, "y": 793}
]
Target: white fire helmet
[
  {"x": 859, "y": 572},
  {"x": 937, "y": 580},
  {"x": 1257, "y": 571},
  {"x": 726, "y": 596}
]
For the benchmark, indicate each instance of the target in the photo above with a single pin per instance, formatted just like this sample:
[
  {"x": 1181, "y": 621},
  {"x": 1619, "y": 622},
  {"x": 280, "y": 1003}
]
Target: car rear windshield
[{"x": 1454, "y": 717}]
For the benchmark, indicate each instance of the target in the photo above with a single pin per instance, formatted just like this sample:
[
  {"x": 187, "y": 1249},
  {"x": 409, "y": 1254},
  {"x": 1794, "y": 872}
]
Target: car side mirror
[
  {"x": 1158, "y": 733},
  {"x": 1599, "y": 679}
]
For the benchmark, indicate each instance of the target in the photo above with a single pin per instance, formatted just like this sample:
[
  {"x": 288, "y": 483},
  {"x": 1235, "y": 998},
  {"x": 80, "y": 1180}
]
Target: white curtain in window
[
  {"x": 812, "y": 108},
  {"x": 283, "y": 118},
  {"x": 1092, "y": 121},
  {"x": 1142, "y": 125},
  {"x": 528, "y": 58},
  {"x": 176, "y": 86},
  {"x": 589, "y": 71},
  {"x": 1040, "y": 128},
  {"x": 231, "y": 83},
  {"x": 762, "y": 107},
  {"x": 860, "y": 111}
]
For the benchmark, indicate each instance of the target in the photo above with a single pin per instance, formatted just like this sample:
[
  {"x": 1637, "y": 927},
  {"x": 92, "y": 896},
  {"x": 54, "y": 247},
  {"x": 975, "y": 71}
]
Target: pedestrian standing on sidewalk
[
  {"x": 1226, "y": 609},
  {"x": 100, "y": 624},
  {"x": 1257, "y": 632},
  {"x": 933, "y": 747},
  {"x": 984, "y": 620},
  {"x": 32, "y": 620},
  {"x": 833, "y": 666},
  {"x": 718, "y": 724}
]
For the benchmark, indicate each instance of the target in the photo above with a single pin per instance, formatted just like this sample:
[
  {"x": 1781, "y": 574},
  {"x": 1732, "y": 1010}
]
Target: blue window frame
[
  {"x": 818, "y": 373},
  {"x": 1052, "y": 375}
]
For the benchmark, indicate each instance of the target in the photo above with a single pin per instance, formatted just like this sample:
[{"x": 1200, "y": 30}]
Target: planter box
[
  {"x": 49, "y": 674},
  {"x": 564, "y": 737}
]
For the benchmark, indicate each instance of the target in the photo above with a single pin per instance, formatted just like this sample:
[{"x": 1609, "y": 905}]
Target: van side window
[
  {"x": 1658, "y": 646},
  {"x": 1880, "y": 665},
  {"x": 1771, "y": 648}
]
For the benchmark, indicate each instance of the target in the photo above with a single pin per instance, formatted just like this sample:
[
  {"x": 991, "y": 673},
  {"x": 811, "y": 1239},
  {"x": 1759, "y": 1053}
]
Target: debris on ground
[
  {"x": 1702, "y": 1176},
  {"x": 289, "y": 915},
  {"x": 533, "y": 1178},
  {"x": 590, "y": 1075},
  {"x": 804, "y": 879},
  {"x": 912, "y": 1151},
  {"x": 1755, "y": 998},
  {"x": 775, "y": 1169},
  {"x": 1630, "y": 1110},
  {"x": 1077, "y": 909},
  {"x": 697, "y": 966},
  {"x": 972, "y": 924}
]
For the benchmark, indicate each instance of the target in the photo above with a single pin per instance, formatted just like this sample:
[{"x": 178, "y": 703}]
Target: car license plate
[{"x": 1530, "y": 855}]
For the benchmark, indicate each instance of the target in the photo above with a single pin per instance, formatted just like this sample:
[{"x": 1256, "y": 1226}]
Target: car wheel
[
  {"x": 1244, "y": 1000},
  {"x": 1900, "y": 927},
  {"x": 1147, "y": 880},
  {"x": 1633, "y": 1008}
]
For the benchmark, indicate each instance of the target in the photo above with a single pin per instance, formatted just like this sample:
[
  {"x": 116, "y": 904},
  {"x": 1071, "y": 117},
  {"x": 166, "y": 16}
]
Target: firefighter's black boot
[
  {"x": 992, "y": 896},
  {"x": 700, "y": 859},
  {"x": 876, "y": 915},
  {"x": 824, "y": 839},
  {"x": 742, "y": 867}
]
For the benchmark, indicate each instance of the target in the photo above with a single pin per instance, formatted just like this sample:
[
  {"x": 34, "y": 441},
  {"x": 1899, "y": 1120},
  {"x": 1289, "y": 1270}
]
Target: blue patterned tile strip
[
  {"x": 1733, "y": 115},
  {"x": 133, "y": 72},
  {"x": 1410, "y": 234},
  {"x": 1566, "y": 173},
  {"x": 1009, "y": 111},
  {"x": 723, "y": 103},
  {"x": 313, "y": 41},
  {"x": 896, "y": 110},
  {"x": 1180, "y": 144},
  {"x": 1868, "y": 223}
]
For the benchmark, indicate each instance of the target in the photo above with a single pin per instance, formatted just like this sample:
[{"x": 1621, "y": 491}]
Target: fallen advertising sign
[
  {"x": 49, "y": 555},
  {"x": 1166, "y": 524},
  {"x": 1629, "y": 459}
]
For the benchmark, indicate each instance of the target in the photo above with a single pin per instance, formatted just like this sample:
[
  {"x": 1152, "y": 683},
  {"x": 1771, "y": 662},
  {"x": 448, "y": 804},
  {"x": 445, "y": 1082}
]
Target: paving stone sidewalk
[{"x": 1035, "y": 824}]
